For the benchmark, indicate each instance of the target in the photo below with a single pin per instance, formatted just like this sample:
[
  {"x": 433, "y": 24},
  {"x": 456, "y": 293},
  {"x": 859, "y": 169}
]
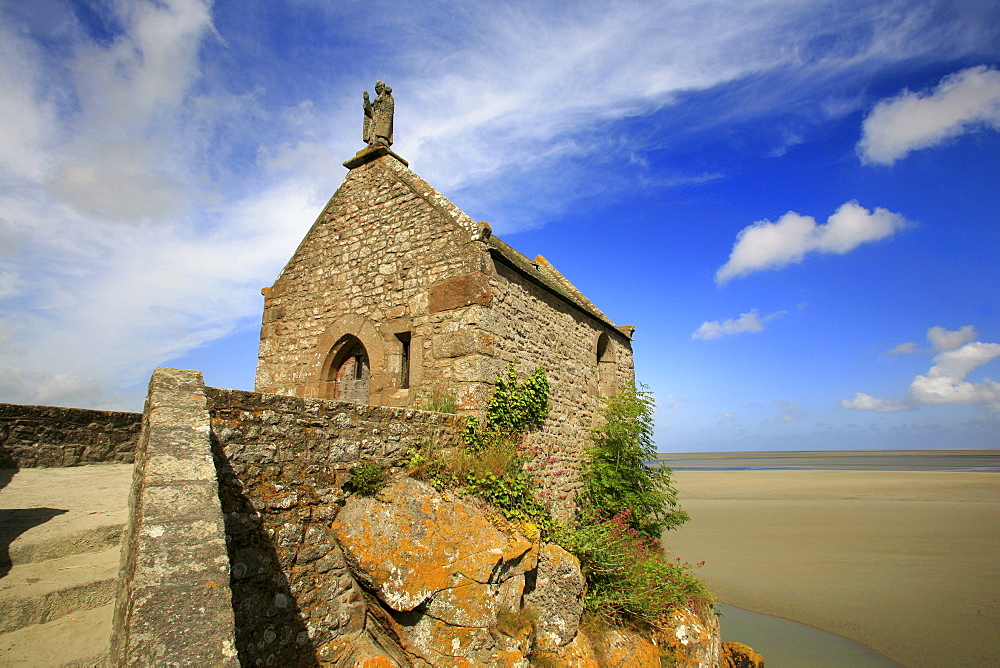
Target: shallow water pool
[{"x": 785, "y": 644}]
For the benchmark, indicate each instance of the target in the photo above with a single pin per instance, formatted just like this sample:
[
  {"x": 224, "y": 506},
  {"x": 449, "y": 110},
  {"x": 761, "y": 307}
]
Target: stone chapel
[{"x": 396, "y": 296}]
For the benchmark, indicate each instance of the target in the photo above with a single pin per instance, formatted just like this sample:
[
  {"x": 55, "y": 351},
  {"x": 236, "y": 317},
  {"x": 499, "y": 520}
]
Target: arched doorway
[{"x": 350, "y": 372}]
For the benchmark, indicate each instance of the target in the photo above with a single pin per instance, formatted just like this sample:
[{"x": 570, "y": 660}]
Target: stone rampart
[
  {"x": 43, "y": 436},
  {"x": 284, "y": 463},
  {"x": 173, "y": 604}
]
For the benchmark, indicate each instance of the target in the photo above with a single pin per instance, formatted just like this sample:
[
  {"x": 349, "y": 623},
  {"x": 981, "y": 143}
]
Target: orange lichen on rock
[
  {"x": 577, "y": 653},
  {"x": 443, "y": 567},
  {"x": 625, "y": 648},
  {"x": 738, "y": 655},
  {"x": 693, "y": 638}
]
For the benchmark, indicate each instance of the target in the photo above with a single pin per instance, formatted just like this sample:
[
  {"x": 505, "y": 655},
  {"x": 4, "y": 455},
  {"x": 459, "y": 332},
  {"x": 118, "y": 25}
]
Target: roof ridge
[
  {"x": 549, "y": 278},
  {"x": 544, "y": 265}
]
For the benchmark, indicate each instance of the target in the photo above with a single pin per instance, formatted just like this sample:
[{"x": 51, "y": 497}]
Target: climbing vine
[
  {"x": 491, "y": 465},
  {"x": 514, "y": 409}
]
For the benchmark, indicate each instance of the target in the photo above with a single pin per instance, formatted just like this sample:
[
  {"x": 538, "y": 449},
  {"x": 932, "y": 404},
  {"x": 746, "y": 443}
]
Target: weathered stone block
[
  {"x": 558, "y": 595},
  {"x": 460, "y": 291},
  {"x": 462, "y": 342}
]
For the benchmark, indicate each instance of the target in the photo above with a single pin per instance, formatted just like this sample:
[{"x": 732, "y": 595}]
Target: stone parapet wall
[
  {"x": 173, "y": 604},
  {"x": 45, "y": 436},
  {"x": 284, "y": 463}
]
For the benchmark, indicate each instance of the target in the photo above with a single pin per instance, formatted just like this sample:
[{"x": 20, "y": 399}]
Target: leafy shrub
[
  {"x": 625, "y": 506},
  {"x": 617, "y": 482},
  {"x": 629, "y": 578},
  {"x": 491, "y": 465},
  {"x": 368, "y": 477}
]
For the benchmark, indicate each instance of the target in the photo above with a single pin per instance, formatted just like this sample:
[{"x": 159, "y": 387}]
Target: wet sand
[{"x": 907, "y": 563}]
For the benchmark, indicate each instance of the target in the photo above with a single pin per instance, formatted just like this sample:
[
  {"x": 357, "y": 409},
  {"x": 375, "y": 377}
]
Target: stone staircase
[{"x": 60, "y": 536}]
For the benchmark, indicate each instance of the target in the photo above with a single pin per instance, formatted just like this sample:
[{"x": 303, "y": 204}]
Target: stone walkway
[{"x": 60, "y": 535}]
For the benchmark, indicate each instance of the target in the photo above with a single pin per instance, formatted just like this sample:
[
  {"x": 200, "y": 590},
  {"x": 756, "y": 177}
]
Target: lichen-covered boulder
[
  {"x": 693, "y": 638},
  {"x": 442, "y": 568},
  {"x": 577, "y": 653},
  {"x": 625, "y": 648},
  {"x": 738, "y": 655},
  {"x": 557, "y": 597}
]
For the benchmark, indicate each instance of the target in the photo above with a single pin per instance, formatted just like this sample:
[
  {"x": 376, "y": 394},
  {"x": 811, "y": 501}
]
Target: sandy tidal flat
[{"x": 907, "y": 563}]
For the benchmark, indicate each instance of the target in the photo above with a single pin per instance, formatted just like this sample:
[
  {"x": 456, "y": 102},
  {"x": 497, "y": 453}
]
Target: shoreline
[
  {"x": 769, "y": 636},
  {"x": 902, "y": 562},
  {"x": 985, "y": 461}
]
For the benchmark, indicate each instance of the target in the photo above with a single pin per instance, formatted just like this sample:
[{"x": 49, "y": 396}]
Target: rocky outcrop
[
  {"x": 693, "y": 638},
  {"x": 556, "y": 596},
  {"x": 444, "y": 581},
  {"x": 444, "y": 572},
  {"x": 738, "y": 655}
]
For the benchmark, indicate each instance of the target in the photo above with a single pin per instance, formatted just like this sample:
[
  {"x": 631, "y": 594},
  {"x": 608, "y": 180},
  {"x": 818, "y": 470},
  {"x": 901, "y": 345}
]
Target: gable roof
[{"x": 541, "y": 272}]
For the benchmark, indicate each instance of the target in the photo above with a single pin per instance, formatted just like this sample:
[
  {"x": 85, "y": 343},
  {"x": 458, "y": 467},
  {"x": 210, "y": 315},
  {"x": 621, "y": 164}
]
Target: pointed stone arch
[
  {"x": 352, "y": 361},
  {"x": 349, "y": 373}
]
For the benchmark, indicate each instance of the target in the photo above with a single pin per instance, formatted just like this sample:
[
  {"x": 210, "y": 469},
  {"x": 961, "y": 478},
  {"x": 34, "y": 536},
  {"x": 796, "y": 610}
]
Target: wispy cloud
[
  {"x": 790, "y": 411},
  {"x": 908, "y": 348},
  {"x": 747, "y": 323},
  {"x": 160, "y": 160},
  {"x": 767, "y": 245},
  {"x": 963, "y": 102}
]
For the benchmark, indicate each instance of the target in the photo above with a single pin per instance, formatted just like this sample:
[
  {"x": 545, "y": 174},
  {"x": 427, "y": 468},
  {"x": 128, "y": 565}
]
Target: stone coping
[
  {"x": 174, "y": 605},
  {"x": 366, "y": 155}
]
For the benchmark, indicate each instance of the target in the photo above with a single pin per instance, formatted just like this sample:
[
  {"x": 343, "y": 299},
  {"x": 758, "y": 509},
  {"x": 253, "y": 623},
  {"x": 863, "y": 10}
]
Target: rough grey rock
[{"x": 558, "y": 595}]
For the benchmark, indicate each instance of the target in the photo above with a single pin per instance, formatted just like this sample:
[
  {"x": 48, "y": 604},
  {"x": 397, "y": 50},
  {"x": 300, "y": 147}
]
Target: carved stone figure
[{"x": 377, "y": 130}]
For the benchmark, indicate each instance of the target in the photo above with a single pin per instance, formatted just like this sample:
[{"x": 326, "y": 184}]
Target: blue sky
[{"x": 795, "y": 203}]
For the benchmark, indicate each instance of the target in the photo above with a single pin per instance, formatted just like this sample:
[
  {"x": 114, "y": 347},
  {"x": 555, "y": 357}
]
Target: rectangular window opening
[{"x": 404, "y": 370}]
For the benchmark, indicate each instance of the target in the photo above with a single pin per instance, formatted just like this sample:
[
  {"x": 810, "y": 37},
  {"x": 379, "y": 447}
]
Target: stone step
[
  {"x": 34, "y": 547},
  {"x": 52, "y": 513},
  {"x": 78, "y": 638},
  {"x": 38, "y": 592}
]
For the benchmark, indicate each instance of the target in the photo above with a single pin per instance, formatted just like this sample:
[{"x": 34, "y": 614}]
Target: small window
[
  {"x": 602, "y": 347},
  {"x": 606, "y": 367},
  {"x": 404, "y": 360}
]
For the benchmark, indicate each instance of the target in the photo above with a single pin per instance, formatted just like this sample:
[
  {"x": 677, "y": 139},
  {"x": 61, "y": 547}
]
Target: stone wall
[
  {"x": 42, "y": 436},
  {"x": 388, "y": 256},
  {"x": 393, "y": 263},
  {"x": 535, "y": 328},
  {"x": 173, "y": 604},
  {"x": 284, "y": 469}
]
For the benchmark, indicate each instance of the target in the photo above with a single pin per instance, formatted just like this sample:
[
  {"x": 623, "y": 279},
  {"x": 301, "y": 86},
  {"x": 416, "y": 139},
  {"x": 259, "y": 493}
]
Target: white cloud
[
  {"x": 91, "y": 305},
  {"x": 907, "y": 348},
  {"x": 942, "y": 339},
  {"x": 866, "y": 402},
  {"x": 749, "y": 322},
  {"x": 767, "y": 245},
  {"x": 962, "y": 102},
  {"x": 670, "y": 403},
  {"x": 154, "y": 174},
  {"x": 946, "y": 381}
]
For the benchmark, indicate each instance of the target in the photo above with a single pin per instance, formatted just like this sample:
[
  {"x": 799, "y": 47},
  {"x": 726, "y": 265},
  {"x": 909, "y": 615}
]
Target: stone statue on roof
[{"x": 377, "y": 130}]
